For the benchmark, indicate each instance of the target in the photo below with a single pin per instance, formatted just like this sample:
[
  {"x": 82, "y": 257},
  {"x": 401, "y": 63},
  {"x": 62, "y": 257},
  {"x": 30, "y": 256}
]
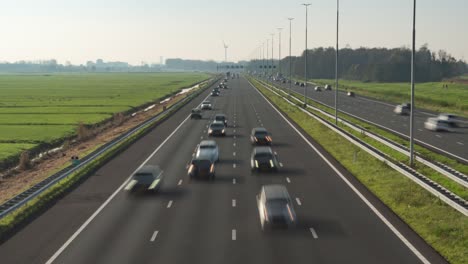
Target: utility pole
[
  {"x": 305, "y": 63},
  {"x": 413, "y": 51},
  {"x": 290, "y": 58},
  {"x": 336, "y": 61},
  {"x": 279, "y": 51}
]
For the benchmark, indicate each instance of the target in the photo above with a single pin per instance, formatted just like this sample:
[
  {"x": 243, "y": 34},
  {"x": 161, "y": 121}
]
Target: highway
[
  {"x": 218, "y": 222},
  {"x": 381, "y": 113}
]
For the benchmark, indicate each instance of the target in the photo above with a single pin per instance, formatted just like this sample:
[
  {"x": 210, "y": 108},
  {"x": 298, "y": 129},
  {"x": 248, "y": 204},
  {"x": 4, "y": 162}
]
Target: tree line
[{"x": 374, "y": 64}]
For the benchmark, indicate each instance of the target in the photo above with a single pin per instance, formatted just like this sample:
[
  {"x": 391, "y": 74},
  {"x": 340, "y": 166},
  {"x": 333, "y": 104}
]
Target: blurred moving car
[
  {"x": 275, "y": 207},
  {"x": 196, "y": 113},
  {"x": 451, "y": 119},
  {"x": 302, "y": 84},
  {"x": 402, "y": 109},
  {"x": 214, "y": 93},
  {"x": 206, "y": 105},
  {"x": 297, "y": 83},
  {"x": 148, "y": 177},
  {"x": 217, "y": 128},
  {"x": 263, "y": 158},
  {"x": 328, "y": 87},
  {"x": 318, "y": 88},
  {"x": 221, "y": 118},
  {"x": 436, "y": 124},
  {"x": 201, "y": 167},
  {"x": 260, "y": 136},
  {"x": 350, "y": 94},
  {"x": 208, "y": 148}
]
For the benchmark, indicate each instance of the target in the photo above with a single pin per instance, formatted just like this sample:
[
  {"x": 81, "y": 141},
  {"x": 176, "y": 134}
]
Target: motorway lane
[
  {"x": 202, "y": 225},
  {"x": 382, "y": 113}
]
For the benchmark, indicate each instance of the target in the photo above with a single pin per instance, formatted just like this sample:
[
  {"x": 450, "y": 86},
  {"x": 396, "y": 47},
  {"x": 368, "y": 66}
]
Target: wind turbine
[{"x": 225, "y": 51}]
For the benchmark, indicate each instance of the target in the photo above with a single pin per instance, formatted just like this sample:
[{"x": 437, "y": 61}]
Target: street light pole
[
  {"x": 272, "y": 56},
  {"x": 279, "y": 51},
  {"x": 305, "y": 63},
  {"x": 336, "y": 61},
  {"x": 290, "y": 59},
  {"x": 412, "y": 88},
  {"x": 267, "y": 57}
]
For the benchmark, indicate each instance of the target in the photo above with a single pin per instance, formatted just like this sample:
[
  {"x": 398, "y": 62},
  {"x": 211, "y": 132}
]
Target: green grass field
[
  {"x": 427, "y": 95},
  {"x": 40, "y": 108}
]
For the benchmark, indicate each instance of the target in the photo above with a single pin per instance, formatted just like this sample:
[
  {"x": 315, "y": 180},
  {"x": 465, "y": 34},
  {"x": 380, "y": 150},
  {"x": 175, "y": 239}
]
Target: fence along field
[{"x": 42, "y": 108}]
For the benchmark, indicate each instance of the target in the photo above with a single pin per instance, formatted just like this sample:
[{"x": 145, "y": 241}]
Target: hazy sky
[{"x": 143, "y": 30}]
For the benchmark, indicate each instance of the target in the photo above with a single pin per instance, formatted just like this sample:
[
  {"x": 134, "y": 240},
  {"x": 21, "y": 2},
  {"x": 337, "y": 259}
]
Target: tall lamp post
[
  {"x": 267, "y": 58},
  {"x": 305, "y": 63},
  {"x": 272, "y": 56},
  {"x": 413, "y": 51},
  {"x": 290, "y": 59},
  {"x": 336, "y": 61},
  {"x": 279, "y": 51}
]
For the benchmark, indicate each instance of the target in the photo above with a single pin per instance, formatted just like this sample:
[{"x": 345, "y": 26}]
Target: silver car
[
  {"x": 208, "y": 148},
  {"x": 206, "y": 105},
  {"x": 402, "y": 109},
  {"x": 275, "y": 207},
  {"x": 436, "y": 124},
  {"x": 148, "y": 177},
  {"x": 451, "y": 119}
]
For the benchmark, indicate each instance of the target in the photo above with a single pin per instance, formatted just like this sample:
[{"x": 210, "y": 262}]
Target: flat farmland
[{"x": 42, "y": 108}]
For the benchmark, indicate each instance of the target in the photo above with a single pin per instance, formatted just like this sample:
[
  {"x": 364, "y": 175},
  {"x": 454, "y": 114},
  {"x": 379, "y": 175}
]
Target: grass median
[{"x": 441, "y": 226}]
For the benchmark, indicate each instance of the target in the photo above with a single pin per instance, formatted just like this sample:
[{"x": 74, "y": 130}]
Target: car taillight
[
  {"x": 265, "y": 212},
  {"x": 256, "y": 140},
  {"x": 256, "y": 163},
  {"x": 268, "y": 138},
  {"x": 272, "y": 164},
  {"x": 190, "y": 168},
  {"x": 212, "y": 168}
]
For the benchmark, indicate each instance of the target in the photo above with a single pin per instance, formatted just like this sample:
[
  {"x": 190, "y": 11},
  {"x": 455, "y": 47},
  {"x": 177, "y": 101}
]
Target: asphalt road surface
[
  {"x": 381, "y": 113},
  {"x": 339, "y": 221}
]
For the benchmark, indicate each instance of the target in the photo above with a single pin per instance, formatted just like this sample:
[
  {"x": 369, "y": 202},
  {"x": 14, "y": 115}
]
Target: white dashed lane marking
[
  {"x": 298, "y": 201},
  {"x": 153, "y": 237}
]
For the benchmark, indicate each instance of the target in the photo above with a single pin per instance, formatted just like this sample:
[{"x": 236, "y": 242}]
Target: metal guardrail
[
  {"x": 437, "y": 190},
  {"x": 36, "y": 190},
  {"x": 445, "y": 170}
]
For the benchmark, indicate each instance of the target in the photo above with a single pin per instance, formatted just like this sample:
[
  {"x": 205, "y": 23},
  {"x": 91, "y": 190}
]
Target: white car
[
  {"x": 148, "y": 177},
  {"x": 275, "y": 207},
  {"x": 451, "y": 119},
  {"x": 208, "y": 148},
  {"x": 436, "y": 124},
  {"x": 206, "y": 105},
  {"x": 318, "y": 89}
]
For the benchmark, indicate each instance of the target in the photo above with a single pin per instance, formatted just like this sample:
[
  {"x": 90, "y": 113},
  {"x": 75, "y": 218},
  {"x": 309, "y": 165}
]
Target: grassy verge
[
  {"x": 23, "y": 213},
  {"x": 442, "y": 227},
  {"x": 395, "y": 155},
  {"x": 431, "y": 95}
]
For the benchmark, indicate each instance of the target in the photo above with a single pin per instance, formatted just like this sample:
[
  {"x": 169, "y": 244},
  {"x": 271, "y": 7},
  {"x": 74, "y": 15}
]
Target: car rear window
[
  {"x": 202, "y": 163},
  {"x": 207, "y": 147},
  {"x": 263, "y": 155},
  {"x": 143, "y": 175},
  {"x": 261, "y": 134}
]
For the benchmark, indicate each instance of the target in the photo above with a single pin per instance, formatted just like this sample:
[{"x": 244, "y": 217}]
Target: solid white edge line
[
  {"x": 358, "y": 193},
  {"x": 153, "y": 237},
  {"x": 314, "y": 234},
  {"x": 91, "y": 218}
]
